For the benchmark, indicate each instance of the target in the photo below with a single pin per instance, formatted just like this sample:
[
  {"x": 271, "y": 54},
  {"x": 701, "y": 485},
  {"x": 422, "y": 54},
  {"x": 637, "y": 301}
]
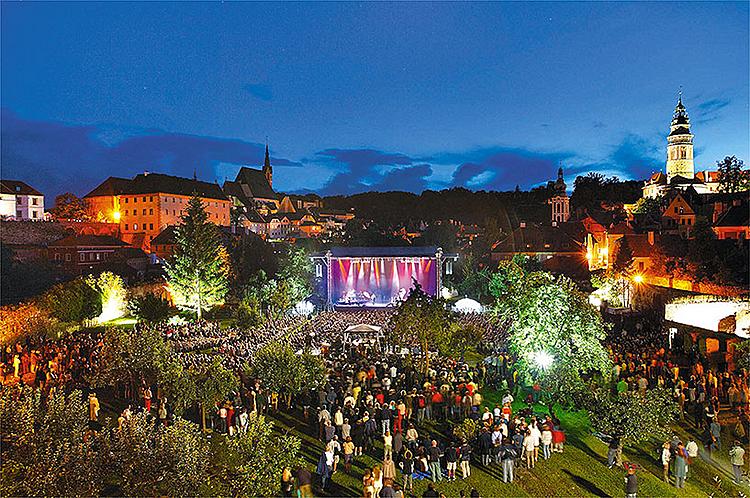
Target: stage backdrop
[{"x": 380, "y": 281}]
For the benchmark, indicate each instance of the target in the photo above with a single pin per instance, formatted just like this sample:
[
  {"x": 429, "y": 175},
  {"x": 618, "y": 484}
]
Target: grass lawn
[{"x": 580, "y": 471}]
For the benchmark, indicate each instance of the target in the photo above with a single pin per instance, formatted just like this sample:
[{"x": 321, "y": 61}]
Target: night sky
[{"x": 374, "y": 96}]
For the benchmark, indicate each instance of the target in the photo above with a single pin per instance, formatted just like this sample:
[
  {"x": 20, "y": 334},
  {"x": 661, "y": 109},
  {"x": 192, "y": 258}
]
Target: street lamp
[{"x": 638, "y": 279}]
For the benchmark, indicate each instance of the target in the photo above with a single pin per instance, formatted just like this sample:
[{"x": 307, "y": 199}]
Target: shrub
[{"x": 150, "y": 308}]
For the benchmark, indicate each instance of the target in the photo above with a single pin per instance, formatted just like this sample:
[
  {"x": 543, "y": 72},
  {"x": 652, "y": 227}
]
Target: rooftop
[{"x": 17, "y": 187}]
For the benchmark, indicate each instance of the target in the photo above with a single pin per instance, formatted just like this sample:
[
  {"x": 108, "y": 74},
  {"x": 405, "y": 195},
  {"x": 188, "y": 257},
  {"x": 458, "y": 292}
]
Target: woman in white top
[
  {"x": 528, "y": 449},
  {"x": 388, "y": 445},
  {"x": 546, "y": 442},
  {"x": 666, "y": 455}
]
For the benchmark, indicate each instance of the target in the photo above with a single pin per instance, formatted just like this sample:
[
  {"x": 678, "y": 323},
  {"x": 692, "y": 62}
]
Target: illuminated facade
[{"x": 560, "y": 201}]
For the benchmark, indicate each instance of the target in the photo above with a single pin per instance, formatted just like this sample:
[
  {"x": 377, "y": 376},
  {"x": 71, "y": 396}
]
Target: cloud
[
  {"x": 56, "y": 157},
  {"x": 361, "y": 170},
  {"x": 263, "y": 92},
  {"x": 710, "y": 110}
]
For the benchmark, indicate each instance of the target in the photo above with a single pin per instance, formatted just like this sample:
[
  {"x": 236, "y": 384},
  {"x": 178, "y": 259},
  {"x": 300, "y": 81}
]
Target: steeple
[
  {"x": 560, "y": 201},
  {"x": 680, "y": 144},
  {"x": 267, "y": 169}
]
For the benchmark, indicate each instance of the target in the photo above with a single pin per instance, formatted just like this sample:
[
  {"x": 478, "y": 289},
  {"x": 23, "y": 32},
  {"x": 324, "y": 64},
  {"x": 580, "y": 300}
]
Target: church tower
[
  {"x": 267, "y": 169},
  {"x": 560, "y": 200},
  {"x": 680, "y": 145}
]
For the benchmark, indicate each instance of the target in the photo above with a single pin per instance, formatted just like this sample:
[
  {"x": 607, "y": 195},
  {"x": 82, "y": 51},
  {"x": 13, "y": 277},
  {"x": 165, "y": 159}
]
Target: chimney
[{"x": 651, "y": 237}]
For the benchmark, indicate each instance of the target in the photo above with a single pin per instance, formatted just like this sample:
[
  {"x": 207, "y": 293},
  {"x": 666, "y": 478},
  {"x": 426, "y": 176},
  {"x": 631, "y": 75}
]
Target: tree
[
  {"x": 295, "y": 272},
  {"x": 112, "y": 292},
  {"x": 213, "y": 385},
  {"x": 463, "y": 338},
  {"x": 69, "y": 207},
  {"x": 73, "y": 301},
  {"x": 153, "y": 460},
  {"x": 623, "y": 257},
  {"x": 423, "y": 321},
  {"x": 614, "y": 414},
  {"x": 131, "y": 357},
  {"x": 254, "y": 460},
  {"x": 198, "y": 274},
  {"x": 150, "y": 308},
  {"x": 283, "y": 371},
  {"x": 555, "y": 334},
  {"x": 649, "y": 207},
  {"x": 732, "y": 176},
  {"x": 46, "y": 449}
]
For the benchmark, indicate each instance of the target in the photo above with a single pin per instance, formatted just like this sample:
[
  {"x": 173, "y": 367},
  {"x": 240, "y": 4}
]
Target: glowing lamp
[
  {"x": 638, "y": 279},
  {"x": 542, "y": 359},
  {"x": 116, "y": 216}
]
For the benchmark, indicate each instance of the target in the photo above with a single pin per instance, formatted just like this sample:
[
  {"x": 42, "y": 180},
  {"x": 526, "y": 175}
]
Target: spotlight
[{"x": 543, "y": 359}]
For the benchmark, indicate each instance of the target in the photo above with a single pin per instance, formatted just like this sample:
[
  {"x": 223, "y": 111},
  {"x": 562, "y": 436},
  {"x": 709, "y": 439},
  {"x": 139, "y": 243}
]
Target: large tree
[
  {"x": 284, "y": 372},
  {"x": 69, "y": 207},
  {"x": 423, "y": 321},
  {"x": 213, "y": 383},
  {"x": 198, "y": 273},
  {"x": 732, "y": 176},
  {"x": 555, "y": 334}
]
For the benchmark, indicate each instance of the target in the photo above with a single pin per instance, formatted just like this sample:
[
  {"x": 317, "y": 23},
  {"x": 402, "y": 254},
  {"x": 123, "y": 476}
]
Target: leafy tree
[
  {"x": 615, "y": 415},
  {"x": 73, "y": 301},
  {"x": 423, "y": 321},
  {"x": 732, "y": 176},
  {"x": 130, "y": 357},
  {"x": 623, "y": 257},
  {"x": 254, "y": 460},
  {"x": 198, "y": 274},
  {"x": 467, "y": 429},
  {"x": 213, "y": 385},
  {"x": 46, "y": 451},
  {"x": 69, "y": 207},
  {"x": 111, "y": 288},
  {"x": 283, "y": 371},
  {"x": 152, "y": 460},
  {"x": 555, "y": 334},
  {"x": 463, "y": 338},
  {"x": 150, "y": 308},
  {"x": 648, "y": 206},
  {"x": 295, "y": 272}
]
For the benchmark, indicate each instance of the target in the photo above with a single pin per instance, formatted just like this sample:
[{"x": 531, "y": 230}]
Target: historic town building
[{"x": 19, "y": 201}]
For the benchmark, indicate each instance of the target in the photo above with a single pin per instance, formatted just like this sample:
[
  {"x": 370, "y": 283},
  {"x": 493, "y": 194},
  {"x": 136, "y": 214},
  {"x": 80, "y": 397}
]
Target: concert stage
[{"x": 378, "y": 277}]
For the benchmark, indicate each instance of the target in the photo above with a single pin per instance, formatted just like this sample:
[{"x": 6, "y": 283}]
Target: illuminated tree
[
  {"x": 46, "y": 450},
  {"x": 254, "y": 461},
  {"x": 555, "y": 334},
  {"x": 69, "y": 207},
  {"x": 732, "y": 176},
  {"x": 112, "y": 291},
  {"x": 198, "y": 273}
]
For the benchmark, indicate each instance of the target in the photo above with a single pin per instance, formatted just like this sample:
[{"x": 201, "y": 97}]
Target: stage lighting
[{"x": 543, "y": 359}]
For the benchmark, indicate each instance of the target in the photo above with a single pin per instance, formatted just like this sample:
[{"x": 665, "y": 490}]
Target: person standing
[
  {"x": 407, "y": 469},
  {"x": 93, "y": 407},
  {"x": 631, "y": 483},
  {"x": 680, "y": 465},
  {"x": 433, "y": 457},
  {"x": 666, "y": 456},
  {"x": 614, "y": 445},
  {"x": 508, "y": 457},
  {"x": 304, "y": 483},
  {"x": 147, "y": 395},
  {"x": 287, "y": 482},
  {"x": 465, "y": 460},
  {"x": 546, "y": 442},
  {"x": 737, "y": 458},
  {"x": 451, "y": 459}
]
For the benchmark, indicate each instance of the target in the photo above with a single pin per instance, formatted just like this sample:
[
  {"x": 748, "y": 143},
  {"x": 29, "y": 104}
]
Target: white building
[{"x": 19, "y": 201}]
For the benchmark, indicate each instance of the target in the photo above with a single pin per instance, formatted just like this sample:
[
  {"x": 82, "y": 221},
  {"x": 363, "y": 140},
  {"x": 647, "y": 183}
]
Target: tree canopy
[{"x": 198, "y": 273}]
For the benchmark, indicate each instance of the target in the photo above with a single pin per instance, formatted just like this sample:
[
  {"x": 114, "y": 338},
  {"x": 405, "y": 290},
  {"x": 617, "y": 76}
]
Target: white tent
[
  {"x": 467, "y": 305},
  {"x": 363, "y": 334}
]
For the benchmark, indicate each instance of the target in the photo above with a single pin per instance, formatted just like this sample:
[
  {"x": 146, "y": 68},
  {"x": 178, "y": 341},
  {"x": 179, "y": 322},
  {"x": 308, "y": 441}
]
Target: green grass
[{"x": 579, "y": 471}]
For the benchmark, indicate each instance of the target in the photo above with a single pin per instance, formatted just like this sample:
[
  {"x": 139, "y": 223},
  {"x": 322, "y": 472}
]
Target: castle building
[
  {"x": 560, "y": 201},
  {"x": 680, "y": 166}
]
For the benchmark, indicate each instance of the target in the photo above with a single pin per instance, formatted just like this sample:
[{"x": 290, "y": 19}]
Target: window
[
  {"x": 144, "y": 198},
  {"x": 135, "y": 199},
  {"x": 135, "y": 226},
  {"x": 150, "y": 226},
  {"x": 58, "y": 257},
  {"x": 35, "y": 214},
  {"x": 35, "y": 201},
  {"x": 126, "y": 200},
  {"x": 126, "y": 226},
  {"x": 67, "y": 257},
  {"x": 82, "y": 257},
  {"x": 144, "y": 211},
  {"x": 151, "y": 199},
  {"x": 151, "y": 211},
  {"x": 98, "y": 256}
]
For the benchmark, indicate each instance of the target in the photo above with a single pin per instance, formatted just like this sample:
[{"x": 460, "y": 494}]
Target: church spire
[
  {"x": 680, "y": 144},
  {"x": 267, "y": 168}
]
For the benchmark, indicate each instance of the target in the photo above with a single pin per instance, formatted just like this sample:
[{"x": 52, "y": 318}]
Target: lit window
[
  {"x": 67, "y": 257},
  {"x": 82, "y": 257},
  {"x": 135, "y": 226},
  {"x": 151, "y": 211},
  {"x": 144, "y": 212}
]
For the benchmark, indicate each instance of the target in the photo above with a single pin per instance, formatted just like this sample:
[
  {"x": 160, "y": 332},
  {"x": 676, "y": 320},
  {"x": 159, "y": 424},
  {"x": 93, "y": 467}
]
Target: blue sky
[{"x": 366, "y": 96}]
